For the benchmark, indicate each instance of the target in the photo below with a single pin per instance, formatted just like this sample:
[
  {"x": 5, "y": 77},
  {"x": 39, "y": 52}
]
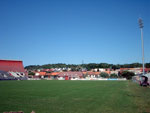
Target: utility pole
[{"x": 141, "y": 28}]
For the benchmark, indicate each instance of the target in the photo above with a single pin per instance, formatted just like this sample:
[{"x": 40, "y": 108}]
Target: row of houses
[
  {"x": 54, "y": 70},
  {"x": 69, "y": 69},
  {"x": 135, "y": 70},
  {"x": 67, "y": 75},
  {"x": 91, "y": 74}
]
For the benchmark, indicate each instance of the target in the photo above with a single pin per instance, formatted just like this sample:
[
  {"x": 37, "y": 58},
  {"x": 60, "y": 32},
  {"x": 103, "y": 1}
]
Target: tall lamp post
[{"x": 141, "y": 28}]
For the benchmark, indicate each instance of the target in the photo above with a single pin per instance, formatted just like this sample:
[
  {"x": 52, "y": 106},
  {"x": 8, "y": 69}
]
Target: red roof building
[
  {"x": 92, "y": 73},
  {"x": 11, "y": 65},
  {"x": 146, "y": 69},
  {"x": 42, "y": 73},
  {"x": 70, "y": 74}
]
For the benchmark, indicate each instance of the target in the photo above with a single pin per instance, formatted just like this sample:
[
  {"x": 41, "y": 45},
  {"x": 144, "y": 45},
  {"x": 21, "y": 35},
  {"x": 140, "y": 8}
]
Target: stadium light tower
[{"x": 141, "y": 28}]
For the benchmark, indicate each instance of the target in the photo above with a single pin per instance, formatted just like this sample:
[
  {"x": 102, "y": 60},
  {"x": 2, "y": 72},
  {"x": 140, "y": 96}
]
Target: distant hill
[{"x": 87, "y": 66}]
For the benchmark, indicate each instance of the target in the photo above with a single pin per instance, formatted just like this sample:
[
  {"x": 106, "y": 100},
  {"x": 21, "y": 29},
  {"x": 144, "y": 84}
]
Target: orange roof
[
  {"x": 126, "y": 68},
  {"x": 84, "y": 73},
  {"x": 93, "y": 73},
  {"x": 54, "y": 73},
  {"x": 48, "y": 73},
  {"x": 108, "y": 72},
  {"x": 42, "y": 73},
  {"x": 97, "y": 73}
]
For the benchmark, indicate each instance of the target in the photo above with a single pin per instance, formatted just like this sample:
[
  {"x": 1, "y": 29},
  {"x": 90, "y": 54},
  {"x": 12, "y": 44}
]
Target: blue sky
[{"x": 69, "y": 31}]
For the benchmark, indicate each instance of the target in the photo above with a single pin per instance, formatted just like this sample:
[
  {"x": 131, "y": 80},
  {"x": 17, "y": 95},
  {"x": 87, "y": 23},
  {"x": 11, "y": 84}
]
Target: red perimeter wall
[{"x": 11, "y": 65}]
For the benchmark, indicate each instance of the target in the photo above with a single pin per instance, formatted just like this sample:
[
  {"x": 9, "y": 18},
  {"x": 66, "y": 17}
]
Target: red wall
[{"x": 11, "y": 65}]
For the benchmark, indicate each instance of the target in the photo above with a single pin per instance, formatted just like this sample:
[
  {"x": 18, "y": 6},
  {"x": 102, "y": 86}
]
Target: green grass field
[{"x": 74, "y": 97}]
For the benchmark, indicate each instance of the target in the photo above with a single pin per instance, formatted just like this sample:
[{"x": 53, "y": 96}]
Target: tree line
[{"x": 76, "y": 67}]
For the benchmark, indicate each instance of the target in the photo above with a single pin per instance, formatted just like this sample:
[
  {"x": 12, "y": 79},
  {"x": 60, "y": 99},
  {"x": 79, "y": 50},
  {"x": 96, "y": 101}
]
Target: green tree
[
  {"x": 147, "y": 65},
  {"x": 104, "y": 75},
  {"x": 31, "y": 73},
  {"x": 128, "y": 75},
  {"x": 113, "y": 75}
]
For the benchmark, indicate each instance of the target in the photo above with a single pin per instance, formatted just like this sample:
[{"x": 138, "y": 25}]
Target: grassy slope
[{"x": 74, "y": 97}]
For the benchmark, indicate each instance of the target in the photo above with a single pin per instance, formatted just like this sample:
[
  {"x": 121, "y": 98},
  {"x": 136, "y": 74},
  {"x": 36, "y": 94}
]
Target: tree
[
  {"x": 87, "y": 66},
  {"x": 103, "y": 65},
  {"x": 147, "y": 65},
  {"x": 31, "y": 73},
  {"x": 113, "y": 75},
  {"x": 104, "y": 75},
  {"x": 127, "y": 74}
]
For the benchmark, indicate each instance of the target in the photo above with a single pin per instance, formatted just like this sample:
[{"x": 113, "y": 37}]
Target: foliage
[
  {"x": 31, "y": 73},
  {"x": 87, "y": 66},
  {"x": 113, "y": 75},
  {"x": 104, "y": 75},
  {"x": 147, "y": 65},
  {"x": 128, "y": 75}
]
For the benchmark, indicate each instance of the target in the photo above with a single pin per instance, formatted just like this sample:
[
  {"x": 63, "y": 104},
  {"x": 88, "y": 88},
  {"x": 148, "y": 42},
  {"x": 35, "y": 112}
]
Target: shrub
[
  {"x": 31, "y": 73},
  {"x": 104, "y": 75},
  {"x": 128, "y": 75},
  {"x": 113, "y": 75}
]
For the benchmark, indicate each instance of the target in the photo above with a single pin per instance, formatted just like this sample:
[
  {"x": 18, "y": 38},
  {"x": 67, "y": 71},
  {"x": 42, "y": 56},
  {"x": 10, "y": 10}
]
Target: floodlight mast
[{"x": 141, "y": 28}]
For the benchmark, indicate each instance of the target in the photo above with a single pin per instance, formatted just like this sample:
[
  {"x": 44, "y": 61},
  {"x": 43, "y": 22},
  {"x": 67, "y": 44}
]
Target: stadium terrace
[{"x": 12, "y": 70}]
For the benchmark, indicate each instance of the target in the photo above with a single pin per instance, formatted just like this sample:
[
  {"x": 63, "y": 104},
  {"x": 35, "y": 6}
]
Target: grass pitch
[{"x": 74, "y": 97}]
